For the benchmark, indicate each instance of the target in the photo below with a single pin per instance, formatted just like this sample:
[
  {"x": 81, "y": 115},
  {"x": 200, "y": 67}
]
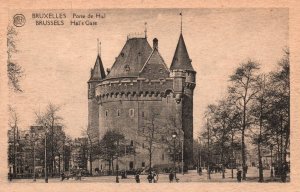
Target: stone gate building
[{"x": 139, "y": 84}]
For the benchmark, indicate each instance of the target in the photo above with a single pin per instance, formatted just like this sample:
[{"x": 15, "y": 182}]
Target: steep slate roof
[
  {"x": 131, "y": 59},
  {"x": 181, "y": 59},
  {"x": 155, "y": 66},
  {"x": 97, "y": 73}
]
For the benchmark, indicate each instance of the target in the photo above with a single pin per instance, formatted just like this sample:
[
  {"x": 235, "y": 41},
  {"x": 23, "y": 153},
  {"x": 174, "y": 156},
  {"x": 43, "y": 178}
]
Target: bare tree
[
  {"x": 14, "y": 71},
  {"x": 278, "y": 114},
  {"x": 92, "y": 146},
  {"x": 243, "y": 91},
  {"x": 52, "y": 123},
  {"x": 13, "y": 137},
  {"x": 151, "y": 132},
  {"x": 258, "y": 110}
]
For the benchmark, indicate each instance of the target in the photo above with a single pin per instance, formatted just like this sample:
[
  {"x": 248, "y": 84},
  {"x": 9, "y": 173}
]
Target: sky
[{"x": 57, "y": 59}]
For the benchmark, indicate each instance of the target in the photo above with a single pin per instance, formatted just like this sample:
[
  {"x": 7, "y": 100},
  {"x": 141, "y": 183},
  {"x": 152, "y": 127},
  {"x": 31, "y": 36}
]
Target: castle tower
[
  {"x": 140, "y": 93},
  {"x": 97, "y": 74},
  {"x": 184, "y": 83}
]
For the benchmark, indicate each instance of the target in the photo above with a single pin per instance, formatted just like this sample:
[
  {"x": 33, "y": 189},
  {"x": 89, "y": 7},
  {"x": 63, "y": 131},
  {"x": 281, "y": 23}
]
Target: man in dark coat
[
  {"x": 150, "y": 177},
  {"x": 137, "y": 177},
  {"x": 171, "y": 177},
  {"x": 239, "y": 175}
]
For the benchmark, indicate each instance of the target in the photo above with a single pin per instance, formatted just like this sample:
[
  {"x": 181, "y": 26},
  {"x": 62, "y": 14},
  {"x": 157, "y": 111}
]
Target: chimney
[
  {"x": 108, "y": 70},
  {"x": 155, "y": 43}
]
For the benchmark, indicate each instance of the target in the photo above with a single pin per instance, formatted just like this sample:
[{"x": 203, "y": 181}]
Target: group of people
[
  {"x": 152, "y": 177},
  {"x": 76, "y": 174}
]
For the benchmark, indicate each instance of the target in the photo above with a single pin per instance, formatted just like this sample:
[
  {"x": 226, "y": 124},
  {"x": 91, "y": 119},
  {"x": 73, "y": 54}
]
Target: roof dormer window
[{"x": 127, "y": 68}]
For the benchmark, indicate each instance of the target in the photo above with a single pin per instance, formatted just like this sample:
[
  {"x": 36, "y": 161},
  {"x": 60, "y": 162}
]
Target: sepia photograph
[{"x": 148, "y": 95}]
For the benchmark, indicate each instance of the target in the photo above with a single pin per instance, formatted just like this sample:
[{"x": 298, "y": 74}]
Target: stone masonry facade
[{"x": 139, "y": 85}]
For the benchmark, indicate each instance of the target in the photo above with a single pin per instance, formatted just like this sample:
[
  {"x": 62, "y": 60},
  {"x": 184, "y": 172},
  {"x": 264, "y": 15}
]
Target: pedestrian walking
[
  {"x": 200, "y": 171},
  {"x": 239, "y": 175},
  {"x": 10, "y": 176},
  {"x": 79, "y": 175},
  {"x": 171, "y": 177},
  {"x": 155, "y": 177},
  {"x": 137, "y": 177},
  {"x": 62, "y": 174},
  {"x": 150, "y": 177}
]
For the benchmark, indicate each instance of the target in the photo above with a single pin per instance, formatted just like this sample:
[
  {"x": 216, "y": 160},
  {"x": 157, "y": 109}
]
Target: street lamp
[
  {"x": 182, "y": 164},
  {"x": 271, "y": 148},
  {"x": 33, "y": 136},
  {"x": 16, "y": 158},
  {"x": 117, "y": 166},
  {"x": 174, "y": 135},
  {"x": 200, "y": 157},
  {"x": 46, "y": 174}
]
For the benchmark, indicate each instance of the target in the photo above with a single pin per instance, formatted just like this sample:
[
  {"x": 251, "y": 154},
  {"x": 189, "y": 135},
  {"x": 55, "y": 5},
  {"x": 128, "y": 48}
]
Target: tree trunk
[
  {"x": 243, "y": 154},
  {"x": 59, "y": 163},
  {"x": 112, "y": 165},
  {"x": 232, "y": 154},
  {"x": 261, "y": 175},
  {"x": 109, "y": 167},
  {"x": 150, "y": 160},
  {"x": 52, "y": 149},
  {"x": 91, "y": 165},
  {"x": 223, "y": 167}
]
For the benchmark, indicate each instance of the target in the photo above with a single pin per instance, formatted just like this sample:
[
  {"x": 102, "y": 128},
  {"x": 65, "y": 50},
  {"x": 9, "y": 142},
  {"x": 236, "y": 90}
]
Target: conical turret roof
[
  {"x": 181, "y": 59},
  {"x": 97, "y": 73}
]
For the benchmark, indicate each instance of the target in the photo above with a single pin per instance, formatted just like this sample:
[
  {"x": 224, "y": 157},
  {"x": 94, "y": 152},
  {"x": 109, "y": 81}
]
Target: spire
[
  {"x": 98, "y": 73},
  {"x": 180, "y": 21},
  {"x": 181, "y": 59},
  {"x": 145, "y": 30},
  {"x": 99, "y": 47}
]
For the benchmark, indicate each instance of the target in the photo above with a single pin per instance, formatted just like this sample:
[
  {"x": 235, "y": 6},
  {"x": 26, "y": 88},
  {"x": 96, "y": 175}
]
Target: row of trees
[
  {"x": 255, "y": 109},
  {"x": 48, "y": 135},
  {"x": 45, "y": 143}
]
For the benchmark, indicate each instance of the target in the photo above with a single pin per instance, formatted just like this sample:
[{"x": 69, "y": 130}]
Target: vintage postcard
[{"x": 149, "y": 96}]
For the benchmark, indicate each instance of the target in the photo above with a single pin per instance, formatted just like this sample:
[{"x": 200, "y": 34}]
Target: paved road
[{"x": 192, "y": 176}]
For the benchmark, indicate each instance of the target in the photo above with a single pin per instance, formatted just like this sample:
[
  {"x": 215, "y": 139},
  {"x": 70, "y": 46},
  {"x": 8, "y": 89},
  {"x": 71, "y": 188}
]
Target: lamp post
[
  {"x": 16, "y": 158},
  {"x": 182, "y": 157},
  {"x": 46, "y": 174},
  {"x": 200, "y": 158},
  {"x": 174, "y": 135},
  {"x": 125, "y": 162},
  {"x": 208, "y": 147},
  {"x": 182, "y": 143},
  {"x": 271, "y": 148},
  {"x": 117, "y": 176},
  {"x": 34, "y": 177}
]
